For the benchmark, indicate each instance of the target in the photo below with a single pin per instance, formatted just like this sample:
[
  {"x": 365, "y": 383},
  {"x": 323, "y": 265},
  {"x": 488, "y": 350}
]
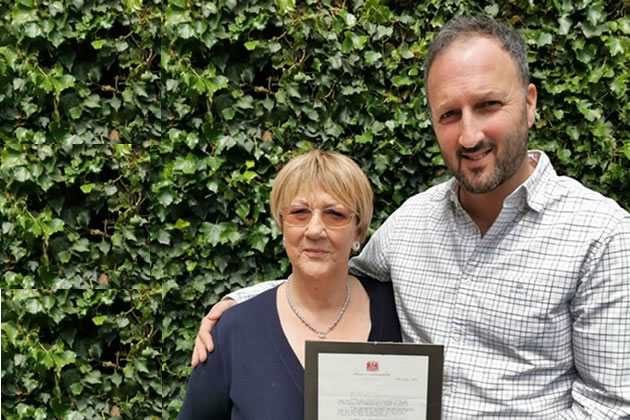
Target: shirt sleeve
[
  {"x": 207, "y": 395},
  {"x": 601, "y": 331},
  {"x": 249, "y": 292},
  {"x": 373, "y": 260}
]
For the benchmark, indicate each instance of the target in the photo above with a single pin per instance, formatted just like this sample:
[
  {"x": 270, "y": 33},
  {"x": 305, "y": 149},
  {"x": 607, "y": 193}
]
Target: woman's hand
[{"x": 203, "y": 342}]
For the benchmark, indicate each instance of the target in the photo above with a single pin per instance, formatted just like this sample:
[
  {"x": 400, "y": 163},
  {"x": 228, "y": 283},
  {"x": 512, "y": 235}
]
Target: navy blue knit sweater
[{"x": 253, "y": 373}]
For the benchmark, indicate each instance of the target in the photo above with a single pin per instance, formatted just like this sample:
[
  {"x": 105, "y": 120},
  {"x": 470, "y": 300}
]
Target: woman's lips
[{"x": 315, "y": 252}]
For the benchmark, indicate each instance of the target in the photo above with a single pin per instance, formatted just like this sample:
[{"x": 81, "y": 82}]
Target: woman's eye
[
  {"x": 300, "y": 211},
  {"x": 334, "y": 213}
]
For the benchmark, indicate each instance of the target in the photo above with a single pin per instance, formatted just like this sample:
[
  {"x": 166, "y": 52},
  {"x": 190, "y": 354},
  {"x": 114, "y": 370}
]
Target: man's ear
[{"x": 530, "y": 99}]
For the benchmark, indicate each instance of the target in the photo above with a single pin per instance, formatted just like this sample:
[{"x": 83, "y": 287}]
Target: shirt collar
[{"x": 531, "y": 192}]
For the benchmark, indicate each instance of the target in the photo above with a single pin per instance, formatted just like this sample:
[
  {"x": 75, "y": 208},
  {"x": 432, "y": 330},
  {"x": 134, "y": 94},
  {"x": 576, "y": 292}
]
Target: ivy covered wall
[{"x": 140, "y": 138}]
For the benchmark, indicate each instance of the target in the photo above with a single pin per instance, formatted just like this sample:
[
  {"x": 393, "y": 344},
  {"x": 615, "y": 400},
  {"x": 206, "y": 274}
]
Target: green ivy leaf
[
  {"x": 595, "y": 13},
  {"x": 564, "y": 155},
  {"x": 614, "y": 46},
  {"x": 61, "y": 83},
  {"x": 67, "y": 357},
  {"x": 164, "y": 237},
  {"x": 93, "y": 377},
  {"x": 133, "y": 5},
  {"x": 285, "y": 6},
  {"x": 176, "y": 16},
  {"x": 116, "y": 379},
  {"x": 54, "y": 226},
  {"x": 24, "y": 411},
  {"x": 492, "y": 10},
  {"x": 9, "y": 55},
  {"x": 10, "y": 330},
  {"x": 242, "y": 209},
  {"x": 87, "y": 188},
  {"x": 211, "y": 232},
  {"x": 23, "y": 14},
  {"x": 81, "y": 245},
  {"x": 401, "y": 81},
  {"x": 257, "y": 241},
  {"x": 182, "y": 224},
  {"x": 372, "y": 57},
  {"x": 76, "y": 388},
  {"x": 585, "y": 109},
  {"x": 565, "y": 25},
  {"x": 167, "y": 286},
  {"x": 141, "y": 366},
  {"x": 383, "y": 32},
  {"x": 366, "y": 137},
  {"x": 251, "y": 45},
  {"x": 33, "y": 306},
  {"x": 165, "y": 198},
  {"x": 544, "y": 38},
  {"x": 98, "y": 44},
  {"x": 64, "y": 257}
]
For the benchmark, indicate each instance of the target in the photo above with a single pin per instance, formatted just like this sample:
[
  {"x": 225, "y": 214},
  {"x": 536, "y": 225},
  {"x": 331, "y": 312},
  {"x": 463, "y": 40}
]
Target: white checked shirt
[{"x": 534, "y": 315}]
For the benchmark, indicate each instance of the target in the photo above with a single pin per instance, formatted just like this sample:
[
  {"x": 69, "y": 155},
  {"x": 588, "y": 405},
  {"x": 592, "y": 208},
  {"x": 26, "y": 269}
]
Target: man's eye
[
  {"x": 449, "y": 115},
  {"x": 488, "y": 104}
]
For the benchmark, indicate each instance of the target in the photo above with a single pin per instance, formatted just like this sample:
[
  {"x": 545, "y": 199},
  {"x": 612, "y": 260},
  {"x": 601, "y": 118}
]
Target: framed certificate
[{"x": 386, "y": 381}]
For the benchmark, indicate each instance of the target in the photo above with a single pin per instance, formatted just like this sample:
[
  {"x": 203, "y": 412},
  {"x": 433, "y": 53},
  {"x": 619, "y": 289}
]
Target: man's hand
[{"x": 203, "y": 342}]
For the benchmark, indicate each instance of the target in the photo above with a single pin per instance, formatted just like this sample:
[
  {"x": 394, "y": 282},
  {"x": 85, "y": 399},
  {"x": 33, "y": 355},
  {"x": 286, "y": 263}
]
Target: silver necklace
[{"x": 320, "y": 334}]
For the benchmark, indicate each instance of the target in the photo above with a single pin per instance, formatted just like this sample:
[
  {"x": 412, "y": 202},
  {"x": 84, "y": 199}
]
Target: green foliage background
[
  {"x": 81, "y": 354},
  {"x": 148, "y": 180}
]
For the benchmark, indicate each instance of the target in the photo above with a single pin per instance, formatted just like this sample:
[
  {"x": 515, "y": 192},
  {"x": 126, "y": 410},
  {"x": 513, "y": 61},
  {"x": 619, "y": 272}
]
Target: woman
[{"x": 322, "y": 203}]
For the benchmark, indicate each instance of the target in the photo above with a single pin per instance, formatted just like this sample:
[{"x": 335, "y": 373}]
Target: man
[{"x": 522, "y": 275}]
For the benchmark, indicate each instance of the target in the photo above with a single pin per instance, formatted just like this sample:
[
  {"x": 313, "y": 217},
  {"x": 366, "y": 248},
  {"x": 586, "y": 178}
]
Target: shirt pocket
[{"x": 520, "y": 313}]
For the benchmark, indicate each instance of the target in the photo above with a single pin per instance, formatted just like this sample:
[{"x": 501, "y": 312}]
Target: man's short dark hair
[{"x": 459, "y": 26}]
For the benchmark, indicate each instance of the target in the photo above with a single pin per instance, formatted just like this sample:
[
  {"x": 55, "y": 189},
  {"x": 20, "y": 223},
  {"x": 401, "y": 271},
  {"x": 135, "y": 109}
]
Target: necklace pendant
[{"x": 320, "y": 334}]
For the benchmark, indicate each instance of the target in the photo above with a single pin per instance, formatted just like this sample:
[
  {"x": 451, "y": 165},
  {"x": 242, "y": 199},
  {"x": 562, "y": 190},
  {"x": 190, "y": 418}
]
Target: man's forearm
[{"x": 249, "y": 292}]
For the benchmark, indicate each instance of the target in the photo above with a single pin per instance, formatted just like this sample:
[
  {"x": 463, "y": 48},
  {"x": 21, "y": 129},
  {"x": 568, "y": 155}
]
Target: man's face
[{"x": 481, "y": 114}]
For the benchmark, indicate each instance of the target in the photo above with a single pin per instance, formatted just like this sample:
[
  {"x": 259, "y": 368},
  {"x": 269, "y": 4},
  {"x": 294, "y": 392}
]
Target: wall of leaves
[{"x": 139, "y": 139}]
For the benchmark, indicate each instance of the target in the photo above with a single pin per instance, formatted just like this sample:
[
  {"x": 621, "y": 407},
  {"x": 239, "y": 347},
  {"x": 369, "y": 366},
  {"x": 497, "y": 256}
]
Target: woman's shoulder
[
  {"x": 375, "y": 287},
  {"x": 385, "y": 323},
  {"x": 241, "y": 315}
]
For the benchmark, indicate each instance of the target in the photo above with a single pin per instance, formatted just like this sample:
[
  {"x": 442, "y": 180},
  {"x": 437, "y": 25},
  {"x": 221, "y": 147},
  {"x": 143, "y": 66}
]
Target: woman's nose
[{"x": 316, "y": 225}]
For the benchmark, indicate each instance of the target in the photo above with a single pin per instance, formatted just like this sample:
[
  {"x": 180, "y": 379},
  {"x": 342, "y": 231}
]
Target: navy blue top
[{"x": 253, "y": 373}]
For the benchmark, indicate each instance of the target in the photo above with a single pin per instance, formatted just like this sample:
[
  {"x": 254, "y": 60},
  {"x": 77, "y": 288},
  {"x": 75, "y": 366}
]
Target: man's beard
[{"x": 514, "y": 150}]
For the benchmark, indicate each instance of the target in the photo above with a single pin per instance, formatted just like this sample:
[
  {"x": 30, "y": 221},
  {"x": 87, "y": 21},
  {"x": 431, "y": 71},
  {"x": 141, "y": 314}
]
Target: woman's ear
[{"x": 360, "y": 235}]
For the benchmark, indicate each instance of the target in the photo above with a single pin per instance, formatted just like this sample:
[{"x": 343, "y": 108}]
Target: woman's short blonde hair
[{"x": 335, "y": 173}]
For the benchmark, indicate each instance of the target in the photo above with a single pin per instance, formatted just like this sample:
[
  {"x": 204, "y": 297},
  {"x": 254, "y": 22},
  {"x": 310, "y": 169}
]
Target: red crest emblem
[{"x": 371, "y": 366}]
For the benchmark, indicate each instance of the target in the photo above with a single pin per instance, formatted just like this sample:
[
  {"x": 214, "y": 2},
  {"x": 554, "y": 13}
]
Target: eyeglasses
[{"x": 333, "y": 217}]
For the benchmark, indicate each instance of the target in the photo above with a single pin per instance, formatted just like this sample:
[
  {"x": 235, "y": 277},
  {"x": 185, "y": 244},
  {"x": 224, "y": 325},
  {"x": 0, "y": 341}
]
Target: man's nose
[{"x": 471, "y": 132}]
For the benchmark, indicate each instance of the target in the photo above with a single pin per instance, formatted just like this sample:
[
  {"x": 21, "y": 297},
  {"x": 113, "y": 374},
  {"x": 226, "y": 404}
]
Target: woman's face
[{"x": 316, "y": 249}]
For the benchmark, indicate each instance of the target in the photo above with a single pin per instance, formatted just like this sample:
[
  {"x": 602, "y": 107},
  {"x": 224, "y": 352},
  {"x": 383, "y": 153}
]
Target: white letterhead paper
[{"x": 385, "y": 381}]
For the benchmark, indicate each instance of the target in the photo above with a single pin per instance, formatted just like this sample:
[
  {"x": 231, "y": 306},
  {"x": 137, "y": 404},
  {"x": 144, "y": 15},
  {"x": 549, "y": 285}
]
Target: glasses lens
[
  {"x": 331, "y": 216},
  {"x": 297, "y": 215},
  {"x": 336, "y": 216}
]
